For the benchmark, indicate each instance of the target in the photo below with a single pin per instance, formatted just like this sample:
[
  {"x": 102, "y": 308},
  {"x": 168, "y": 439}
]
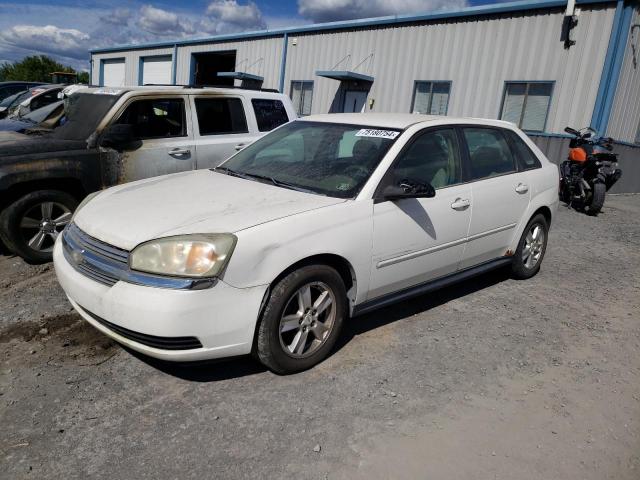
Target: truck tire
[
  {"x": 30, "y": 225},
  {"x": 302, "y": 319},
  {"x": 597, "y": 199}
]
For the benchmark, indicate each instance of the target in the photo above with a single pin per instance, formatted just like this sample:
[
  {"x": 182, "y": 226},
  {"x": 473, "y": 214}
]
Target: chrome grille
[{"x": 93, "y": 258}]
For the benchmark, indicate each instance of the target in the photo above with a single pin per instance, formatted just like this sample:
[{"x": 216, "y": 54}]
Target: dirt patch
[{"x": 62, "y": 338}]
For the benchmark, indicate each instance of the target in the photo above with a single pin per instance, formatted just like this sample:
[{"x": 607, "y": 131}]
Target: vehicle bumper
[{"x": 222, "y": 318}]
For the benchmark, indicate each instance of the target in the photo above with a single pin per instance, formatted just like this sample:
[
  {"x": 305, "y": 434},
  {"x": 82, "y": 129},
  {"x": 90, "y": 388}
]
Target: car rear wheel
[
  {"x": 30, "y": 225},
  {"x": 531, "y": 249},
  {"x": 302, "y": 319}
]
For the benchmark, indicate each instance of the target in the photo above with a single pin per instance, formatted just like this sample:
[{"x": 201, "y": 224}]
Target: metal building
[{"x": 543, "y": 65}]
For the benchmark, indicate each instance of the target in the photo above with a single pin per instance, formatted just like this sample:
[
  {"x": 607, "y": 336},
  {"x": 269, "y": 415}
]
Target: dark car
[{"x": 11, "y": 88}]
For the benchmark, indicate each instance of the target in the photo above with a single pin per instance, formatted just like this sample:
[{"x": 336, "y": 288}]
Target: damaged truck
[{"x": 111, "y": 136}]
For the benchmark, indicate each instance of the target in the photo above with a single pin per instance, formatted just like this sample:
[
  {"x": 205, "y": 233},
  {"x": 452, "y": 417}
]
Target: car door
[
  {"x": 161, "y": 126},
  {"x": 222, "y": 128},
  {"x": 500, "y": 194},
  {"x": 417, "y": 240}
]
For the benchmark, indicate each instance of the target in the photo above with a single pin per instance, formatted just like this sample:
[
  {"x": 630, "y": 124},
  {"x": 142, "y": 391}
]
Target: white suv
[{"x": 324, "y": 218}]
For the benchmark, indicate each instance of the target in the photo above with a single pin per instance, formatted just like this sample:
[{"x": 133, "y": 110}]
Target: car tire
[
  {"x": 531, "y": 248},
  {"x": 297, "y": 328},
  {"x": 29, "y": 226}
]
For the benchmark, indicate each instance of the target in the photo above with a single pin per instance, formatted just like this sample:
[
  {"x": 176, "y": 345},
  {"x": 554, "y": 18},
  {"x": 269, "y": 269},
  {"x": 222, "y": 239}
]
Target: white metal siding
[
  {"x": 625, "y": 116},
  {"x": 256, "y": 56},
  {"x": 478, "y": 55}
]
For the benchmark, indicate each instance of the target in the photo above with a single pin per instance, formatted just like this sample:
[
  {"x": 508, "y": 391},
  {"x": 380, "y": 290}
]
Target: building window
[
  {"x": 527, "y": 104},
  {"x": 431, "y": 98},
  {"x": 301, "y": 96}
]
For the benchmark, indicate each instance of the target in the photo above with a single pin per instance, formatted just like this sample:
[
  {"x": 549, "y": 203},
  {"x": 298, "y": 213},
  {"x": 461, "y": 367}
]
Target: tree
[{"x": 35, "y": 68}]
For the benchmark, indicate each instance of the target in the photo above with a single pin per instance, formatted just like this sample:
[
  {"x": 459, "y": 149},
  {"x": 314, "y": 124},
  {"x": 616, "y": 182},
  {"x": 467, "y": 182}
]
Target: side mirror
[
  {"x": 119, "y": 137},
  {"x": 408, "y": 189},
  {"x": 571, "y": 131}
]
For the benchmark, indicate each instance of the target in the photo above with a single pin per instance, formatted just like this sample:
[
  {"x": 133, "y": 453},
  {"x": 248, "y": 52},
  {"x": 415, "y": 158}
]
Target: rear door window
[
  {"x": 489, "y": 152},
  {"x": 220, "y": 116},
  {"x": 269, "y": 113},
  {"x": 156, "y": 118}
]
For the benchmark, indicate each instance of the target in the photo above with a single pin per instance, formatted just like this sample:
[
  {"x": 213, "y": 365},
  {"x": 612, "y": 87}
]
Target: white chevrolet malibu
[{"x": 326, "y": 217}]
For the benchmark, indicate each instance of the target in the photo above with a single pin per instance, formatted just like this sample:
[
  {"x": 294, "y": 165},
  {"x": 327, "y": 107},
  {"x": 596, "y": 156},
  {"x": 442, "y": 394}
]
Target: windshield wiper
[{"x": 273, "y": 181}]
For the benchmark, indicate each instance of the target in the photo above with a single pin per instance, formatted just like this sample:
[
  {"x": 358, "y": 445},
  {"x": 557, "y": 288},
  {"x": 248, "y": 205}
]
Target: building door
[
  {"x": 354, "y": 101},
  {"x": 156, "y": 70}
]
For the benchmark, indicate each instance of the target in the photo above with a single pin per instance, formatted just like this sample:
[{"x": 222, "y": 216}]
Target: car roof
[
  {"x": 178, "y": 90},
  {"x": 400, "y": 120}
]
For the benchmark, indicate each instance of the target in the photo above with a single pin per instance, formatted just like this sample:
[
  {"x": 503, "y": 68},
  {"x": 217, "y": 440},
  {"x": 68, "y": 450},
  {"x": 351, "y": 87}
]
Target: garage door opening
[
  {"x": 155, "y": 70},
  {"x": 112, "y": 72},
  {"x": 206, "y": 66}
]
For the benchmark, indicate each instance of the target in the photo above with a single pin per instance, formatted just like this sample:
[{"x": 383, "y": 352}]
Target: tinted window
[
  {"x": 525, "y": 157},
  {"x": 489, "y": 152},
  {"x": 158, "y": 118},
  {"x": 218, "y": 116},
  {"x": 432, "y": 158},
  {"x": 269, "y": 113}
]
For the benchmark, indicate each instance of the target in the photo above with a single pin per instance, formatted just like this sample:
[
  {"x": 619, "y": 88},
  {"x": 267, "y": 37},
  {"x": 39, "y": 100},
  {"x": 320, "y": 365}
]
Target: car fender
[{"x": 264, "y": 251}]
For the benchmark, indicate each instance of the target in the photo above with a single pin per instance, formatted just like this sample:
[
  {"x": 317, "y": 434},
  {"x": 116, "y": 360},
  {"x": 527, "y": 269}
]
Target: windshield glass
[
  {"x": 83, "y": 112},
  {"x": 17, "y": 97},
  {"x": 325, "y": 158}
]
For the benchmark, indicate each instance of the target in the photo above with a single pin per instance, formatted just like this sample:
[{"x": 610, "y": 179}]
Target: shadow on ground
[{"x": 225, "y": 369}]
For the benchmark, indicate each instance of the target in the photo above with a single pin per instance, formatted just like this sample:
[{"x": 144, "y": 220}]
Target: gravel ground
[{"x": 492, "y": 378}]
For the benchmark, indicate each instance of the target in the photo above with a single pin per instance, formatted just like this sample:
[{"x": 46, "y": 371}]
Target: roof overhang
[
  {"x": 344, "y": 75},
  {"x": 241, "y": 76}
]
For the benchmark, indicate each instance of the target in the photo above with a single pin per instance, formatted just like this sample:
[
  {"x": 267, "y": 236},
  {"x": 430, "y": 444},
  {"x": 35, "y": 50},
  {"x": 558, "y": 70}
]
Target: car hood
[
  {"x": 202, "y": 201},
  {"x": 17, "y": 144}
]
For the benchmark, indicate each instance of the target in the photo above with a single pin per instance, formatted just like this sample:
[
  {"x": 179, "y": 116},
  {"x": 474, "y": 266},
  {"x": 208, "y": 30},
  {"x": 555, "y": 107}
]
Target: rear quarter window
[
  {"x": 269, "y": 113},
  {"x": 526, "y": 159}
]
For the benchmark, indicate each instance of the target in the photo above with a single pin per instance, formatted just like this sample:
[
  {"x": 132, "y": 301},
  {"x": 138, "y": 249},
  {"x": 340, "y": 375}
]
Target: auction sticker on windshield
[{"x": 368, "y": 132}]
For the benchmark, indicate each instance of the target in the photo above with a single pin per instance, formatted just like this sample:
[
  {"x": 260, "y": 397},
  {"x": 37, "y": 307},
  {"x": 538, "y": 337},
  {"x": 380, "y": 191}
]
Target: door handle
[
  {"x": 239, "y": 147},
  {"x": 179, "y": 152},
  {"x": 461, "y": 204},
  {"x": 522, "y": 188}
]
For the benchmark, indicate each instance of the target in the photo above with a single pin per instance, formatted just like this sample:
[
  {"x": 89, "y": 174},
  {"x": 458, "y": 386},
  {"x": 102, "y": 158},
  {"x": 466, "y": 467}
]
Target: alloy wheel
[
  {"x": 42, "y": 223},
  {"x": 307, "y": 319},
  {"x": 533, "y": 246}
]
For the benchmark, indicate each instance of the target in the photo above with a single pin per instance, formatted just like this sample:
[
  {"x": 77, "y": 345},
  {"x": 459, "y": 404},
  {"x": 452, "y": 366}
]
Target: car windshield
[
  {"x": 9, "y": 101},
  {"x": 325, "y": 158},
  {"x": 82, "y": 114}
]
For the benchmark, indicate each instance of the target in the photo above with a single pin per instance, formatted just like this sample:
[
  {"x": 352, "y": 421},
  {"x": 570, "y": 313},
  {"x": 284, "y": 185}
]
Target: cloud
[
  {"x": 67, "y": 42},
  {"x": 229, "y": 16},
  {"x": 335, "y": 10},
  {"x": 118, "y": 16},
  {"x": 161, "y": 22}
]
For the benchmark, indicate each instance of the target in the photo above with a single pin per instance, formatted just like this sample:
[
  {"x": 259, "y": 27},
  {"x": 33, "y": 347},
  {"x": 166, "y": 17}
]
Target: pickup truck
[{"x": 114, "y": 135}]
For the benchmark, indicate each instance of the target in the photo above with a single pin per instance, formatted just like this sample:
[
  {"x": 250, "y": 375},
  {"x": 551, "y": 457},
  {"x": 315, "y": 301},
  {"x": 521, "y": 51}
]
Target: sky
[{"x": 67, "y": 29}]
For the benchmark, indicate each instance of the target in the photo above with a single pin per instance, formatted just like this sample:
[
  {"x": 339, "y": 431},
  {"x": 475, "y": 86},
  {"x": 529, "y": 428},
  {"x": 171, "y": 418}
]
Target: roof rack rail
[{"x": 198, "y": 85}]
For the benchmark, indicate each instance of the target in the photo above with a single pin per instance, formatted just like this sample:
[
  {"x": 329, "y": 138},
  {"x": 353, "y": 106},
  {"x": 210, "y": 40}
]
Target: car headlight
[
  {"x": 83, "y": 203},
  {"x": 195, "y": 256}
]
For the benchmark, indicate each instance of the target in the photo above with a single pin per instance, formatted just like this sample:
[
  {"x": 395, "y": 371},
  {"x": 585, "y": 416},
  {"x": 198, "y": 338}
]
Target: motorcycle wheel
[{"x": 597, "y": 199}]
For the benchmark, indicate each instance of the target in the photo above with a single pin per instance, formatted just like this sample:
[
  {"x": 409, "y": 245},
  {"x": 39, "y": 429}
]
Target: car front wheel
[
  {"x": 302, "y": 319},
  {"x": 30, "y": 225}
]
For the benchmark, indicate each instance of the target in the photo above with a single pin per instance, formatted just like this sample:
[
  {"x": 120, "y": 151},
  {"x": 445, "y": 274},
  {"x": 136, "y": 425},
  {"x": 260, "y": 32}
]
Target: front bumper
[{"x": 222, "y": 318}]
